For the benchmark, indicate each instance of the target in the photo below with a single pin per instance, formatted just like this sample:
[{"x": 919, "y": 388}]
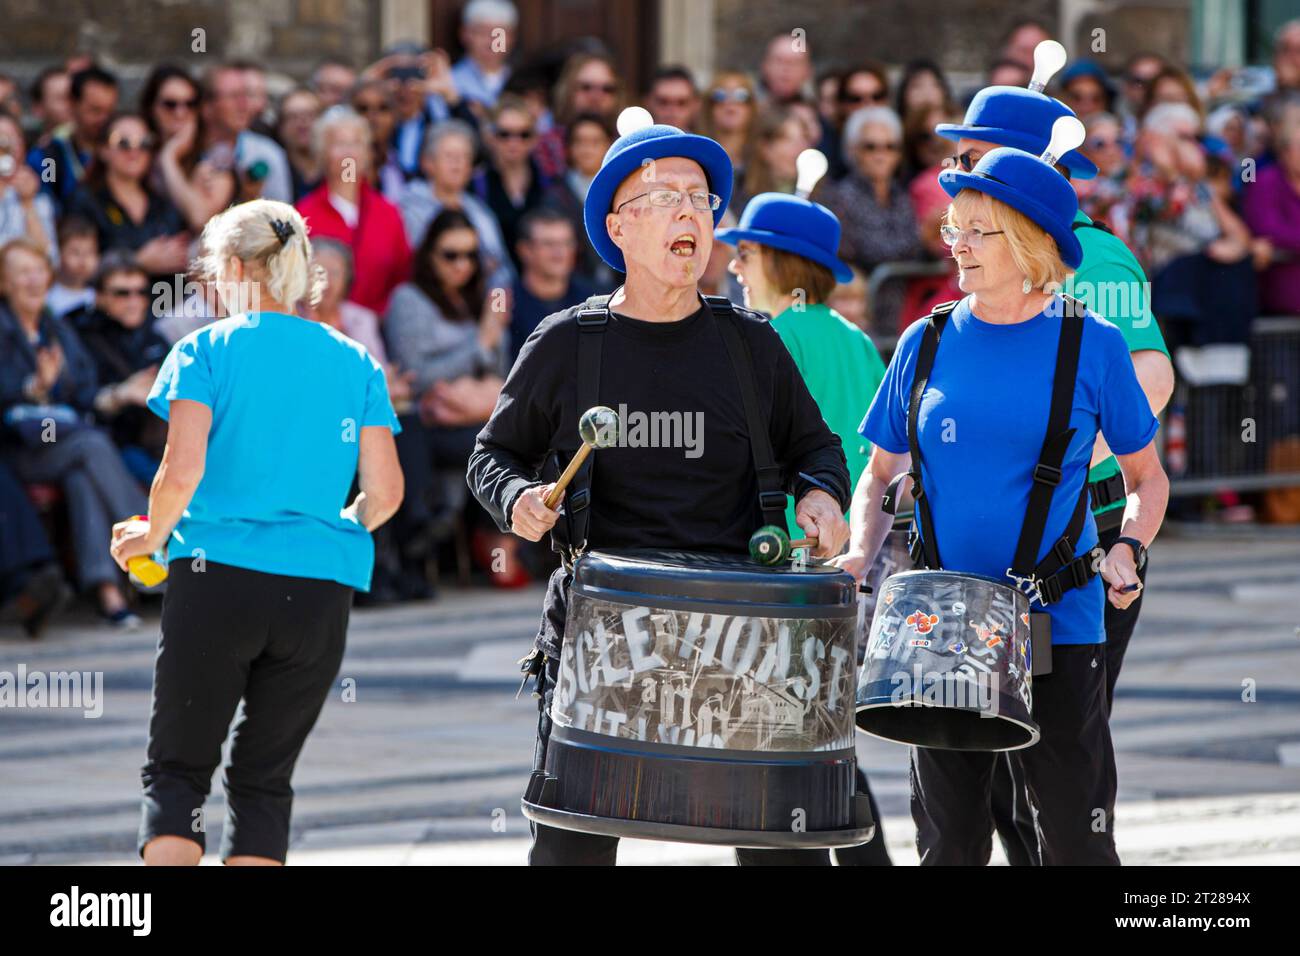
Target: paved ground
[{"x": 427, "y": 764}]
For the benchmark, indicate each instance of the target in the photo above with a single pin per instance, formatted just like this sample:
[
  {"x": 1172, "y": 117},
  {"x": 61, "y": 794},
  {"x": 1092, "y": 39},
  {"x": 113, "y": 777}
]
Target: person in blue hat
[
  {"x": 1111, "y": 282},
  {"x": 654, "y": 346},
  {"x": 787, "y": 266},
  {"x": 998, "y": 456}
]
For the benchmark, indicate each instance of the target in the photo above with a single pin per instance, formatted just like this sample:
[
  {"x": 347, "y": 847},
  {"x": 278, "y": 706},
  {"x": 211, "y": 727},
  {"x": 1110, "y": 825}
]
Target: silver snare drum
[{"x": 948, "y": 664}]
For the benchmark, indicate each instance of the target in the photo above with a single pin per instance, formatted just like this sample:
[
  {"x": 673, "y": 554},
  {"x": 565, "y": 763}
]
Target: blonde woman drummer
[{"x": 981, "y": 428}]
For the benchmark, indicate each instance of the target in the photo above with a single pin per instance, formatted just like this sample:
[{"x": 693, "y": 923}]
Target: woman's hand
[
  {"x": 136, "y": 388},
  {"x": 1119, "y": 571},
  {"x": 819, "y": 515},
  {"x": 493, "y": 322},
  {"x": 25, "y": 184},
  {"x": 49, "y": 366},
  {"x": 132, "y": 539},
  {"x": 164, "y": 254}
]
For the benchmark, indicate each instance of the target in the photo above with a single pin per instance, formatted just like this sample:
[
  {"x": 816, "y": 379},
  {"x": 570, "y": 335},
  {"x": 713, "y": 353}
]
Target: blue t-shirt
[
  {"x": 289, "y": 398},
  {"x": 981, "y": 426}
]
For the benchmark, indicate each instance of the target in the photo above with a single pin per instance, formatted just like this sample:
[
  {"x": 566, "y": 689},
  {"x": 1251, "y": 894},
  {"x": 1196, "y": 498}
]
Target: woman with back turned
[{"x": 270, "y": 418}]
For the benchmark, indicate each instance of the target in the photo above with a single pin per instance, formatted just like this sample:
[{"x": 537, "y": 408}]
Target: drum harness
[
  {"x": 593, "y": 320},
  {"x": 1060, "y": 571}
]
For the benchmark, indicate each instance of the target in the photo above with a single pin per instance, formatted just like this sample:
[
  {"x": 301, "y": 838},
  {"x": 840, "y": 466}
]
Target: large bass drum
[
  {"x": 704, "y": 698},
  {"x": 948, "y": 664}
]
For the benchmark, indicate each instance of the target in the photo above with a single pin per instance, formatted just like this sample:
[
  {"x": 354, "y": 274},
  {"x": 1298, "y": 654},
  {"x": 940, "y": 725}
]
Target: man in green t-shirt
[
  {"x": 1112, "y": 284},
  {"x": 786, "y": 262}
]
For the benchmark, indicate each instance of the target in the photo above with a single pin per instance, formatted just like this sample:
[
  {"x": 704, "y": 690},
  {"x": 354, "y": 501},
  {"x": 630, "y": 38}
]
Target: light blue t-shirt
[
  {"x": 289, "y": 398},
  {"x": 981, "y": 426}
]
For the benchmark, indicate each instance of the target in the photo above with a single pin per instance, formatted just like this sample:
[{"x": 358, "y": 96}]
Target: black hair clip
[{"x": 283, "y": 231}]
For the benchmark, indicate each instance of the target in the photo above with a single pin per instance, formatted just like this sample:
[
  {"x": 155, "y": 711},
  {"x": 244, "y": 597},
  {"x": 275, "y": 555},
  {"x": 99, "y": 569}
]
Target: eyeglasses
[
  {"x": 672, "y": 198},
  {"x": 364, "y": 108},
  {"x": 973, "y": 238},
  {"x": 870, "y": 147},
  {"x": 966, "y": 161},
  {"x": 173, "y": 105},
  {"x": 878, "y": 97},
  {"x": 1100, "y": 142},
  {"x": 669, "y": 102},
  {"x": 738, "y": 95},
  {"x": 133, "y": 293},
  {"x": 126, "y": 145},
  {"x": 609, "y": 89},
  {"x": 522, "y": 135},
  {"x": 457, "y": 255}
]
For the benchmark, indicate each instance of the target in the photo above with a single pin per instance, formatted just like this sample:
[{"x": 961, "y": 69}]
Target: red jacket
[{"x": 381, "y": 256}]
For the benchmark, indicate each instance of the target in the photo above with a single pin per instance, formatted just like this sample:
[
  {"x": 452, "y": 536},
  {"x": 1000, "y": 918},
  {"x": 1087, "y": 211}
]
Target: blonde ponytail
[{"x": 270, "y": 238}]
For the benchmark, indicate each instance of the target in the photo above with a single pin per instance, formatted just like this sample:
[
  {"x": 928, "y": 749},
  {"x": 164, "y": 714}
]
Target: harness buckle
[
  {"x": 1047, "y": 474},
  {"x": 772, "y": 500}
]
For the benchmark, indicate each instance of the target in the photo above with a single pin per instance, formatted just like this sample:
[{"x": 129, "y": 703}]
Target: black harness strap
[
  {"x": 924, "y": 547},
  {"x": 771, "y": 492},
  {"x": 593, "y": 319}
]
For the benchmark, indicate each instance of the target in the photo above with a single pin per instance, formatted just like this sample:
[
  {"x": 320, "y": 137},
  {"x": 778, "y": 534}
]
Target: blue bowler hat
[
  {"x": 792, "y": 224},
  {"x": 1014, "y": 116},
  {"x": 628, "y": 153},
  {"x": 1026, "y": 183}
]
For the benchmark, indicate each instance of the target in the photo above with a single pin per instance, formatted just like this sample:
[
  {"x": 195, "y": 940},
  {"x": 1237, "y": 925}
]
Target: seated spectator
[
  {"x": 448, "y": 331},
  {"x": 347, "y": 208},
  {"x": 51, "y": 94},
  {"x": 673, "y": 98},
  {"x": 170, "y": 103},
  {"x": 866, "y": 84},
  {"x": 447, "y": 165},
  {"x": 922, "y": 87},
  {"x": 779, "y": 138},
  {"x": 586, "y": 140},
  {"x": 512, "y": 184},
  {"x": 1141, "y": 68},
  {"x": 25, "y": 212},
  {"x": 332, "y": 80},
  {"x": 126, "y": 211},
  {"x": 924, "y": 150},
  {"x": 47, "y": 381},
  {"x": 231, "y": 144},
  {"x": 487, "y": 33},
  {"x": 1105, "y": 147},
  {"x": 547, "y": 282},
  {"x": 299, "y": 111},
  {"x": 334, "y": 309},
  {"x": 32, "y": 590},
  {"x": 589, "y": 83},
  {"x": 118, "y": 333},
  {"x": 730, "y": 115},
  {"x": 373, "y": 102},
  {"x": 73, "y": 285},
  {"x": 1271, "y": 206},
  {"x": 1086, "y": 88},
  {"x": 785, "y": 70},
  {"x": 62, "y": 162}
]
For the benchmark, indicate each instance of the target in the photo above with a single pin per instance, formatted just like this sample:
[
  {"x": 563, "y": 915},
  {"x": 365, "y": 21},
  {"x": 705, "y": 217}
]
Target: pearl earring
[{"x": 1027, "y": 287}]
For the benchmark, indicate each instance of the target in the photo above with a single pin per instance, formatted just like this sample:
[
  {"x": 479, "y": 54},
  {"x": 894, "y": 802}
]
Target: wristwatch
[{"x": 1139, "y": 552}]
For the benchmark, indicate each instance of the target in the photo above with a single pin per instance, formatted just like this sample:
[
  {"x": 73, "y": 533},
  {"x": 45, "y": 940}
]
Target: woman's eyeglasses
[
  {"x": 609, "y": 89},
  {"x": 858, "y": 98},
  {"x": 131, "y": 293},
  {"x": 457, "y": 255},
  {"x": 867, "y": 146},
  {"x": 126, "y": 144},
  {"x": 738, "y": 95},
  {"x": 174, "y": 105},
  {"x": 974, "y": 238},
  {"x": 364, "y": 108},
  {"x": 1100, "y": 142},
  {"x": 672, "y": 198},
  {"x": 523, "y": 135},
  {"x": 966, "y": 161}
]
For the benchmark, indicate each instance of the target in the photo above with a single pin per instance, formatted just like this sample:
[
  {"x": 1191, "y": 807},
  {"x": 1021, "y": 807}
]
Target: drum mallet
[
  {"x": 598, "y": 428},
  {"x": 771, "y": 544}
]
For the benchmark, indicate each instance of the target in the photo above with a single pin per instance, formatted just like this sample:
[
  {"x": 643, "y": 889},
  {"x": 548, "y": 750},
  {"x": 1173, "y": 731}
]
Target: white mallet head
[
  {"x": 1049, "y": 57},
  {"x": 811, "y": 166},
  {"x": 1067, "y": 134},
  {"x": 634, "y": 118}
]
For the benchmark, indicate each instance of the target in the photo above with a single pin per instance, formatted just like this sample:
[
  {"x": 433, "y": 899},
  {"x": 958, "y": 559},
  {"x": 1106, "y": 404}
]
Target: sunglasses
[
  {"x": 740, "y": 95},
  {"x": 878, "y": 97},
  {"x": 174, "y": 105},
  {"x": 128, "y": 293},
  {"x": 966, "y": 161},
  {"x": 365, "y": 108},
  {"x": 869, "y": 147},
  {"x": 523, "y": 135},
  {"x": 609, "y": 89},
  {"x": 1102, "y": 143},
  {"x": 126, "y": 145},
  {"x": 457, "y": 255},
  {"x": 679, "y": 103}
]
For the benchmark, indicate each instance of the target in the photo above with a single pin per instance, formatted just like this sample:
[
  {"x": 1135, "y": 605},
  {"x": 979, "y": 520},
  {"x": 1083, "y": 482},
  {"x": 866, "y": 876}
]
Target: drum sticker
[
  {"x": 706, "y": 680},
  {"x": 918, "y": 642},
  {"x": 957, "y": 647}
]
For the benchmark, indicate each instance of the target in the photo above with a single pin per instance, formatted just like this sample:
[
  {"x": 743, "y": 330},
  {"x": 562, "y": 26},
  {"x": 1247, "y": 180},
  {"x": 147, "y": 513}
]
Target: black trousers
[
  {"x": 553, "y": 846},
  {"x": 1011, "y": 813},
  {"x": 23, "y": 543},
  {"x": 1069, "y": 775},
  {"x": 230, "y": 634}
]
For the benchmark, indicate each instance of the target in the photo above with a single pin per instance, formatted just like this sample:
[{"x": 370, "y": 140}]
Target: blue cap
[
  {"x": 1014, "y": 116},
  {"x": 627, "y": 154},
  {"x": 1026, "y": 183},
  {"x": 791, "y": 224}
]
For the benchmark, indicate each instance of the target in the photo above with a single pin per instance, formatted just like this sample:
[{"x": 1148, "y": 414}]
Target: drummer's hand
[
  {"x": 854, "y": 562},
  {"x": 820, "y": 517},
  {"x": 1119, "y": 571},
  {"x": 530, "y": 518}
]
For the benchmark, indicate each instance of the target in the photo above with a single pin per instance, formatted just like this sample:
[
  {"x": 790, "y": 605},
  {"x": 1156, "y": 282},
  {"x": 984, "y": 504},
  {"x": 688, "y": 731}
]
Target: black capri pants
[{"x": 231, "y": 634}]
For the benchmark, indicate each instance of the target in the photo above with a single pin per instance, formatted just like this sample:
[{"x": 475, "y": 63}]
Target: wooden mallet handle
[
  {"x": 574, "y": 464},
  {"x": 803, "y": 543}
]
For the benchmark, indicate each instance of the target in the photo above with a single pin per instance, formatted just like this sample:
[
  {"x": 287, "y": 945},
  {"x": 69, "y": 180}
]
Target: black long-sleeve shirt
[{"x": 701, "y": 497}]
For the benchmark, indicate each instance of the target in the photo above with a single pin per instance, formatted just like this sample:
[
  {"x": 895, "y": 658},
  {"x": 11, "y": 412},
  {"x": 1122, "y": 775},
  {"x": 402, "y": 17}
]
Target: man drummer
[
  {"x": 1111, "y": 283},
  {"x": 650, "y": 212}
]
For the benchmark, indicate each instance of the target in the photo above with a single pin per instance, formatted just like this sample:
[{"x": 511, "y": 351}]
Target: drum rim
[
  {"x": 591, "y": 740},
  {"x": 1034, "y": 732},
  {"x": 988, "y": 579}
]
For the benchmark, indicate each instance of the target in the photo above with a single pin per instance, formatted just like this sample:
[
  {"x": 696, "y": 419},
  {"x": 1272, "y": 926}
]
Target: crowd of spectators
[{"x": 445, "y": 205}]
